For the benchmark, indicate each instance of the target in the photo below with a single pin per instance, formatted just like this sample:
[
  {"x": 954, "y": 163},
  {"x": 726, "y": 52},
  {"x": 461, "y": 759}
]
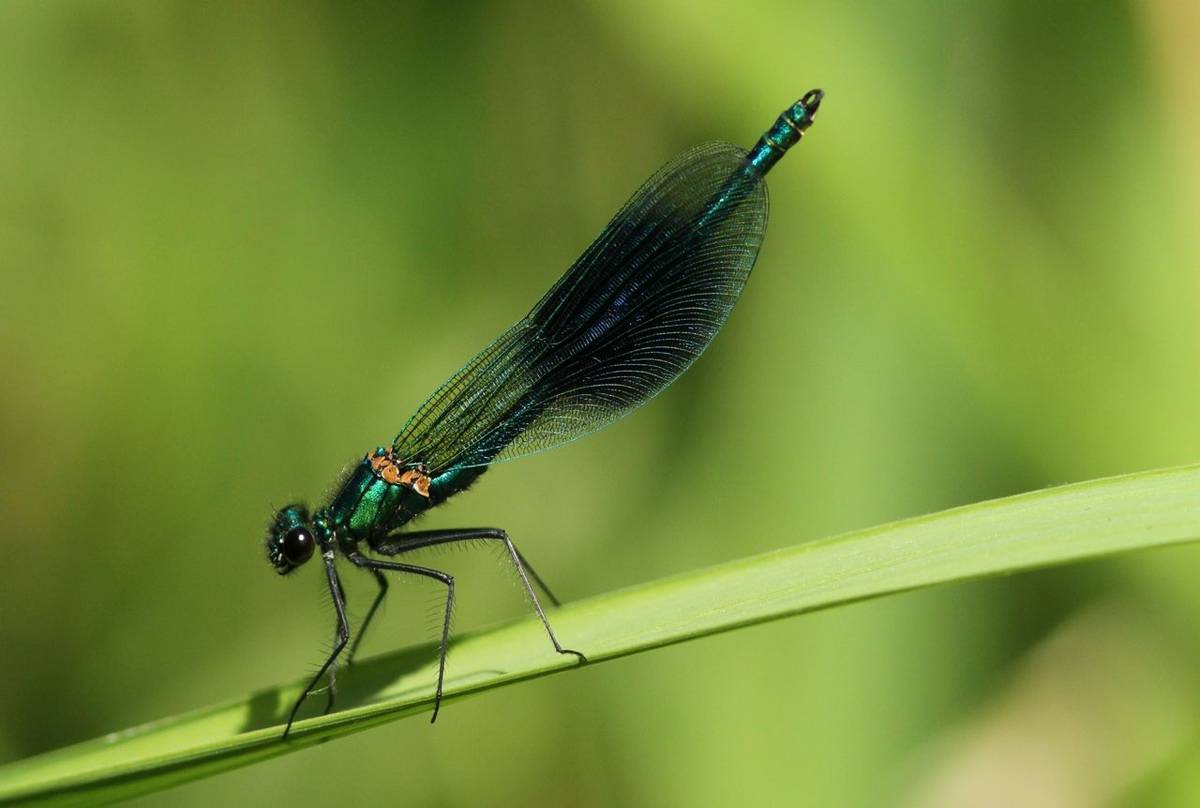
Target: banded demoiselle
[{"x": 632, "y": 314}]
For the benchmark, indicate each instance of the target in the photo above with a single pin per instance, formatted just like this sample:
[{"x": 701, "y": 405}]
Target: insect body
[{"x": 629, "y": 316}]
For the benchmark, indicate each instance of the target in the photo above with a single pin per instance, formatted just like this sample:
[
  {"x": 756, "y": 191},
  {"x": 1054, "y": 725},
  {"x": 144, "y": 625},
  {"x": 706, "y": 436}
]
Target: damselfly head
[{"x": 290, "y": 538}]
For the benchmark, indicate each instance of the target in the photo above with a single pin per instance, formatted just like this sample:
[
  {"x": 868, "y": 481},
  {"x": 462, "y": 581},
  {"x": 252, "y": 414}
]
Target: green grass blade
[{"x": 1055, "y": 526}]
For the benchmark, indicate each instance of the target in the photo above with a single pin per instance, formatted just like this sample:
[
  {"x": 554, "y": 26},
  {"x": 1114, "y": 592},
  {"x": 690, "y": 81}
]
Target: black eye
[{"x": 298, "y": 546}]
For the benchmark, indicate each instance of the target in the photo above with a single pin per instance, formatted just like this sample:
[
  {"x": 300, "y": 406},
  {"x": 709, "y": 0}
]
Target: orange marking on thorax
[{"x": 389, "y": 469}]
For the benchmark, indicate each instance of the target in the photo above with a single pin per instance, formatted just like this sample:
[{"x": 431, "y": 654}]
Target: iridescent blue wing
[{"x": 637, "y": 308}]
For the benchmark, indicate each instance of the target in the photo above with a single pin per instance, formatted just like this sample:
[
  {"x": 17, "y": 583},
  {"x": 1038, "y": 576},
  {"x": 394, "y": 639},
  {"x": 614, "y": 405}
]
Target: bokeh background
[{"x": 240, "y": 243}]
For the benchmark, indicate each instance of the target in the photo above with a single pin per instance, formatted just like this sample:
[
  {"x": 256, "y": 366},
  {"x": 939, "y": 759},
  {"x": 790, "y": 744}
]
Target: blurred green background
[{"x": 239, "y": 244}]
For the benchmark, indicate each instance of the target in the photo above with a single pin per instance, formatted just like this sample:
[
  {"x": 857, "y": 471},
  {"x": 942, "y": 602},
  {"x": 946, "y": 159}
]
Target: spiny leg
[
  {"x": 381, "y": 580},
  {"x": 375, "y": 566},
  {"x": 331, "y": 690},
  {"x": 399, "y": 543},
  {"x": 342, "y": 636}
]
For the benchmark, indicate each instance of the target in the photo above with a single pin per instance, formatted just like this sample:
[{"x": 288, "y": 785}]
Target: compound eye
[{"x": 298, "y": 546}]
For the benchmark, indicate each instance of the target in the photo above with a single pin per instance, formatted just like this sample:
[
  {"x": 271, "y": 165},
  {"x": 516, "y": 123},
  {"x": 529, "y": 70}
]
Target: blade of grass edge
[{"x": 1038, "y": 529}]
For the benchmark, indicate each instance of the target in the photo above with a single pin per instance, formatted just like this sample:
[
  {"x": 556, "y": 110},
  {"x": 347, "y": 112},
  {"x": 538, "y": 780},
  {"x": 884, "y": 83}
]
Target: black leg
[
  {"x": 375, "y": 566},
  {"x": 331, "y": 688},
  {"x": 400, "y": 543},
  {"x": 362, "y": 630},
  {"x": 342, "y": 636}
]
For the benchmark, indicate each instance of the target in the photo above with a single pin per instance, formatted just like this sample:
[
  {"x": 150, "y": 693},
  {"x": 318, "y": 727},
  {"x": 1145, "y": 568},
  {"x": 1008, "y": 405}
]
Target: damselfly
[{"x": 637, "y": 308}]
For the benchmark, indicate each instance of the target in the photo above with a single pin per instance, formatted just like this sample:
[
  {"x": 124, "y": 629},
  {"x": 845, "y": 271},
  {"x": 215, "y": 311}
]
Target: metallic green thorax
[
  {"x": 366, "y": 506},
  {"x": 366, "y": 502}
]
